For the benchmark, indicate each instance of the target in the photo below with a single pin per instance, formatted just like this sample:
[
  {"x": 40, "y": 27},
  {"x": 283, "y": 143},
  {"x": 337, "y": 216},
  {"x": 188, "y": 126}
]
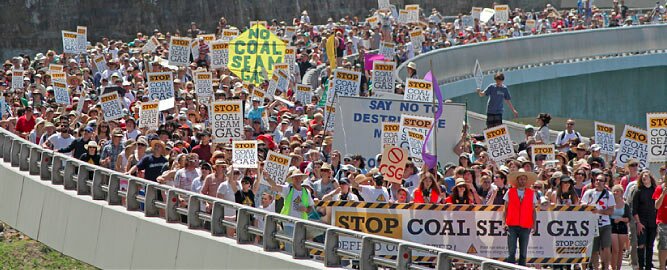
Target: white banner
[
  {"x": 633, "y": 146},
  {"x": 657, "y": 136},
  {"x": 179, "y": 51},
  {"x": 203, "y": 84},
  {"x": 543, "y": 149},
  {"x": 17, "y": 79},
  {"x": 303, "y": 94},
  {"x": 227, "y": 122},
  {"x": 244, "y": 154},
  {"x": 390, "y": 133},
  {"x": 499, "y": 143},
  {"x": 82, "y": 38},
  {"x": 111, "y": 106},
  {"x": 418, "y": 90},
  {"x": 383, "y": 76},
  {"x": 70, "y": 42},
  {"x": 61, "y": 94},
  {"x": 277, "y": 166},
  {"x": 219, "y": 53},
  {"x": 605, "y": 136},
  {"x": 161, "y": 87},
  {"x": 149, "y": 115}
]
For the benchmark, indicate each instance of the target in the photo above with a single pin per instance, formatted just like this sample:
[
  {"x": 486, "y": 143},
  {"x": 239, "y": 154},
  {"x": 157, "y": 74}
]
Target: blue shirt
[
  {"x": 255, "y": 114},
  {"x": 449, "y": 184},
  {"x": 496, "y": 94}
]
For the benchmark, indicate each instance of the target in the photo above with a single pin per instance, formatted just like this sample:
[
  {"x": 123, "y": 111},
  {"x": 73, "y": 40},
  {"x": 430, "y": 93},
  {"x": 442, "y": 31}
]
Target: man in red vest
[{"x": 520, "y": 213}]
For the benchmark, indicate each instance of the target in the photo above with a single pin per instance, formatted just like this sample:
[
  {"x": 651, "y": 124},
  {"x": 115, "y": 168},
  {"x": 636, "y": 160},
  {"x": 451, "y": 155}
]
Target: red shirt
[
  {"x": 661, "y": 215},
  {"x": 204, "y": 152},
  {"x": 25, "y": 125}
]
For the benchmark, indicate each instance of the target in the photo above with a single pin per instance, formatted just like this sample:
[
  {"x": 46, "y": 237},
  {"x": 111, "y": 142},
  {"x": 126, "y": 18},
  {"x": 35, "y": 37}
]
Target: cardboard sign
[
  {"x": 203, "y": 84},
  {"x": 60, "y": 92},
  {"x": 486, "y": 15},
  {"x": 383, "y": 76},
  {"x": 477, "y": 72},
  {"x": 543, "y": 149},
  {"x": 70, "y": 42},
  {"x": 634, "y": 145},
  {"x": 502, "y": 13},
  {"x": 418, "y": 90},
  {"x": 393, "y": 163},
  {"x": 303, "y": 93},
  {"x": 290, "y": 59},
  {"x": 161, "y": 87},
  {"x": 207, "y": 38},
  {"x": 254, "y": 52},
  {"x": 346, "y": 83},
  {"x": 149, "y": 115},
  {"x": 111, "y": 106},
  {"x": 605, "y": 136},
  {"x": 229, "y": 34},
  {"x": 100, "y": 63},
  {"x": 227, "y": 121},
  {"x": 416, "y": 140},
  {"x": 499, "y": 143},
  {"x": 219, "y": 54},
  {"x": 330, "y": 118},
  {"x": 387, "y": 50},
  {"x": 390, "y": 133},
  {"x": 475, "y": 12},
  {"x": 17, "y": 79},
  {"x": 82, "y": 38},
  {"x": 657, "y": 136},
  {"x": 413, "y": 13},
  {"x": 244, "y": 154},
  {"x": 414, "y": 123},
  {"x": 417, "y": 38},
  {"x": 277, "y": 166},
  {"x": 179, "y": 51},
  {"x": 151, "y": 45}
]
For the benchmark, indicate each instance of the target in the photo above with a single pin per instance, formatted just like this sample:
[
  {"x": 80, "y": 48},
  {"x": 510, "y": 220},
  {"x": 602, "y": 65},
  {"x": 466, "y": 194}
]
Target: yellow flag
[{"x": 331, "y": 51}]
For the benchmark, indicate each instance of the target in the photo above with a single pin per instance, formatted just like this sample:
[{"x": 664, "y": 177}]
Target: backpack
[{"x": 561, "y": 136}]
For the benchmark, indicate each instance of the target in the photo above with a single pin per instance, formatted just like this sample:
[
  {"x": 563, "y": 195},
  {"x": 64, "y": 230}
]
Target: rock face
[{"x": 31, "y": 26}]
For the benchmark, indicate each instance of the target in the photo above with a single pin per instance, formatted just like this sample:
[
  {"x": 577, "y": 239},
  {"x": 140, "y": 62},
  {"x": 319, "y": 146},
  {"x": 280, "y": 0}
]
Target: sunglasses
[{"x": 582, "y": 174}]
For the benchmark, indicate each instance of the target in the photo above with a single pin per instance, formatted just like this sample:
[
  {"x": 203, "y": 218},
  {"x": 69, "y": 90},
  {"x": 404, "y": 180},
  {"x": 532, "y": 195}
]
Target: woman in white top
[{"x": 542, "y": 134}]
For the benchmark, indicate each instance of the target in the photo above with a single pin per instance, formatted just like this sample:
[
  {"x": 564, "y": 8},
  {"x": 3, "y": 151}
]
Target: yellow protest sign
[{"x": 253, "y": 54}]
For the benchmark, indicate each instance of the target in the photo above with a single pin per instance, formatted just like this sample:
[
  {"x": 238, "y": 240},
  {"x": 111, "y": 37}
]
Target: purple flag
[
  {"x": 432, "y": 160},
  {"x": 370, "y": 58}
]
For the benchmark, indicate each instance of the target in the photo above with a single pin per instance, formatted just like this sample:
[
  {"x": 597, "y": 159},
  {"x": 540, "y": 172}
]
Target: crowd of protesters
[{"x": 180, "y": 152}]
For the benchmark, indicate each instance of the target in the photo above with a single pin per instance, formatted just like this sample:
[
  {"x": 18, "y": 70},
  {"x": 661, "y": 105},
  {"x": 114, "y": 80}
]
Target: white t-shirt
[
  {"x": 372, "y": 194},
  {"x": 296, "y": 200},
  {"x": 566, "y": 137},
  {"x": 591, "y": 196},
  {"x": 226, "y": 193},
  {"x": 271, "y": 208},
  {"x": 59, "y": 142},
  {"x": 350, "y": 197}
]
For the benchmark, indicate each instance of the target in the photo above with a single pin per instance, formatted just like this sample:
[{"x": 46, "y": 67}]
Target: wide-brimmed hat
[
  {"x": 581, "y": 146},
  {"x": 512, "y": 178},
  {"x": 293, "y": 174},
  {"x": 412, "y": 65},
  {"x": 91, "y": 144},
  {"x": 156, "y": 142},
  {"x": 460, "y": 182}
]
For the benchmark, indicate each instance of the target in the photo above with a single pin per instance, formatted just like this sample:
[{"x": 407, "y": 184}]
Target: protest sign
[
  {"x": 100, "y": 63},
  {"x": 179, "y": 51},
  {"x": 563, "y": 234},
  {"x": 151, "y": 45},
  {"x": 383, "y": 4},
  {"x": 4, "y": 108},
  {"x": 605, "y": 136},
  {"x": 204, "y": 84},
  {"x": 60, "y": 93},
  {"x": 373, "y": 21},
  {"x": 244, "y": 154},
  {"x": 383, "y": 76},
  {"x": 161, "y": 87},
  {"x": 55, "y": 68},
  {"x": 346, "y": 83},
  {"x": 273, "y": 86},
  {"x": 477, "y": 72},
  {"x": 262, "y": 23},
  {"x": 467, "y": 21},
  {"x": 530, "y": 25},
  {"x": 418, "y": 90},
  {"x": 393, "y": 163},
  {"x": 57, "y": 76},
  {"x": 227, "y": 121},
  {"x": 657, "y": 137},
  {"x": 290, "y": 59},
  {"x": 283, "y": 82},
  {"x": 254, "y": 52},
  {"x": 194, "y": 48},
  {"x": 414, "y": 123},
  {"x": 417, "y": 38},
  {"x": 70, "y": 42},
  {"x": 389, "y": 134},
  {"x": 543, "y": 149},
  {"x": 502, "y": 13},
  {"x": 416, "y": 140},
  {"x": 80, "y": 103},
  {"x": 499, "y": 143},
  {"x": 111, "y": 106},
  {"x": 229, "y": 34},
  {"x": 403, "y": 16},
  {"x": 290, "y": 31},
  {"x": 82, "y": 38},
  {"x": 387, "y": 50},
  {"x": 149, "y": 115},
  {"x": 219, "y": 54},
  {"x": 475, "y": 12},
  {"x": 261, "y": 94},
  {"x": 634, "y": 145},
  {"x": 17, "y": 79},
  {"x": 413, "y": 13},
  {"x": 486, "y": 15},
  {"x": 303, "y": 94},
  {"x": 207, "y": 38},
  {"x": 330, "y": 118},
  {"x": 277, "y": 166}
]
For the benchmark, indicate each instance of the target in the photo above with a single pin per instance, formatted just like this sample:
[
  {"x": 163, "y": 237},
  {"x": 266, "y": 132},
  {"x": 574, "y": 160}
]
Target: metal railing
[{"x": 181, "y": 206}]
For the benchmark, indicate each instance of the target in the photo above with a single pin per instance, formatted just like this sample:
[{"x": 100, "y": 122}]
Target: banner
[
  {"x": 244, "y": 154},
  {"x": 499, "y": 143},
  {"x": 303, "y": 93},
  {"x": 17, "y": 79},
  {"x": 151, "y": 45},
  {"x": 390, "y": 133},
  {"x": 383, "y": 76},
  {"x": 475, "y": 12},
  {"x": 82, "y": 38},
  {"x": 502, "y": 13},
  {"x": 290, "y": 59},
  {"x": 203, "y": 84},
  {"x": 416, "y": 140},
  {"x": 393, "y": 163},
  {"x": 633, "y": 146},
  {"x": 111, "y": 106},
  {"x": 179, "y": 51},
  {"x": 418, "y": 90},
  {"x": 100, "y": 63},
  {"x": 417, "y": 38},
  {"x": 70, "y": 42},
  {"x": 277, "y": 166},
  {"x": 477, "y": 73},
  {"x": 657, "y": 137},
  {"x": 362, "y": 117},
  {"x": 253, "y": 54},
  {"x": 227, "y": 122},
  {"x": 543, "y": 149},
  {"x": 229, "y": 34},
  {"x": 161, "y": 87},
  {"x": 413, "y": 13},
  {"x": 219, "y": 54},
  {"x": 149, "y": 115},
  {"x": 387, "y": 50},
  {"x": 346, "y": 83},
  {"x": 60, "y": 93},
  {"x": 563, "y": 234},
  {"x": 605, "y": 136}
]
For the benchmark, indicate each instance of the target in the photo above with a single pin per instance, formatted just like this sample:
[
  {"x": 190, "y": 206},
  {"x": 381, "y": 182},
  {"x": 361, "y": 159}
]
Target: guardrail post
[
  {"x": 56, "y": 176},
  {"x": 7, "y": 149},
  {"x": 16, "y": 152},
  {"x": 82, "y": 187},
  {"x": 24, "y": 156},
  {"x": 243, "y": 221},
  {"x": 45, "y": 172},
  {"x": 299, "y": 250},
  {"x": 172, "y": 202},
  {"x": 367, "y": 254},
  {"x": 3, "y": 139},
  {"x": 444, "y": 261},
  {"x": 96, "y": 189},
  {"x": 194, "y": 207},
  {"x": 330, "y": 247},
  {"x": 404, "y": 256},
  {"x": 35, "y": 162},
  {"x": 217, "y": 215},
  {"x": 69, "y": 175},
  {"x": 131, "y": 202},
  {"x": 270, "y": 228},
  {"x": 150, "y": 210},
  {"x": 114, "y": 186}
]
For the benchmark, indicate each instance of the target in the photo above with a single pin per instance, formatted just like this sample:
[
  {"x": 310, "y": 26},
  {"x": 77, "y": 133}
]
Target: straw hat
[
  {"x": 293, "y": 174},
  {"x": 412, "y": 65},
  {"x": 512, "y": 178},
  {"x": 460, "y": 182},
  {"x": 91, "y": 144}
]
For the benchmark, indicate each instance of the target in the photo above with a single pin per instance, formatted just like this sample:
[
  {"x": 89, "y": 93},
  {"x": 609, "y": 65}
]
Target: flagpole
[{"x": 435, "y": 125}]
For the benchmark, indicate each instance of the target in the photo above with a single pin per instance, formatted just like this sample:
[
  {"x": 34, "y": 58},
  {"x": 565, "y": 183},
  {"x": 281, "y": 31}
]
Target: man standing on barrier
[{"x": 520, "y": 213}]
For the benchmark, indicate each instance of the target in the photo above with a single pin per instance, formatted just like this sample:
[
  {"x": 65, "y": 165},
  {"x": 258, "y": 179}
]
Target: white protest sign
[
  {"x": 383, "y": 4},
  {"x": 417, "y": 38},
  {"x": 264, "y": 23},
  {"x": 151, "y": 45},
  {"x": 468, "y": 21},
  {"x": 17, "y": 79},
  {"x": 413, "y": 13},
  {"x": 330, "y": 118},
  {"x": 303, "y": 94},
  {"x": 179, "y": 51},
  {"x": 657, "y": 136},
  {"x": 373, "y": 21},
  {"x": 290, "y": 59},
  {"x": 390, "y": 133},
  {"x": 414, "y": 123},
  {"x": 149, "y": 115},
  {"x": 418, "y": 90},
  {"x": 194, "y": 48},
  {"x": 203, "y": 84},
  {"x": 82, "y": 38},
  {"x": 55, "y": 68},
  {"x": 80, "y": 103},
  {"x": 207, "y": 38},
  {"x": 70, "y": 42},
  {"x": 543, "y": 149},
  {"x": 530, "y": 25},
  {"x": 111, "y": 106},
  {"x": 416, "y": 140},
  {"x": 261, "y": 94},
  {"x": 499, "y": 143},
  {"x": 57, "y": 76},
  {"x": 229, "y": 34},
  {"x": 227, "y": 121},
  {"x": 634, "y": 144},
  {"x": 161, "y": 87},
  {"x": 475, "y": 12},
  {"x": 387, "y": 50},
  {"x": 60, "y": 92},
  {"x": 4, "y": 108},
  {"x": 277, "y": 166},
  {"x": 219, "y": 54},
  {"x": 605, "y": 136},
  {"x": 283, "y": 81},
  {"x": 290, "y": 31},
  {"x": 273, "y": 85},
  {"x": 486, "y": 15},
  {"x": 403, "y": 16},
  {"x": 244, "y": 154},
  {"x": 502, "y": 13},
  {"x": 393, "y": 163},
  {"x": 477, "y": 72},
  {"x": 383, "y": 76},
  {"x": 100, "y": 63},
  {"x": 346, "y": 83}
]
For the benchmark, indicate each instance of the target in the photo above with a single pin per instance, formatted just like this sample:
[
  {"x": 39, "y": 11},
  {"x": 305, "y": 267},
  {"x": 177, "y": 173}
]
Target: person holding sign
[
  {"x": 520, "y": 213},
  {"x": 497, "y": 93}
]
